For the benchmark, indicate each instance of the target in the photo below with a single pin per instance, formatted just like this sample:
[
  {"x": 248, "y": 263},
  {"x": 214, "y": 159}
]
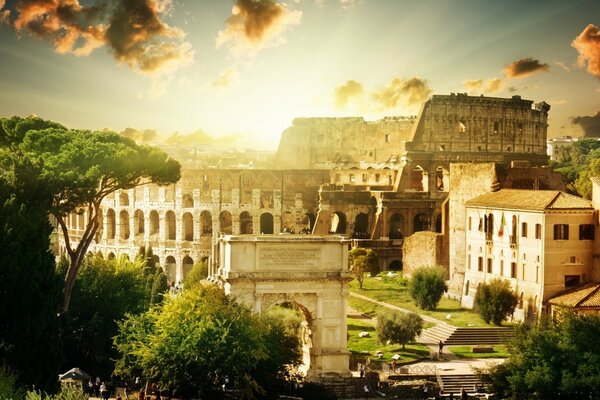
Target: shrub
[
  {"x": 427, "y": 286},
  {"x": 495, "y": 301},
  {"x": 398, "y": 327}
]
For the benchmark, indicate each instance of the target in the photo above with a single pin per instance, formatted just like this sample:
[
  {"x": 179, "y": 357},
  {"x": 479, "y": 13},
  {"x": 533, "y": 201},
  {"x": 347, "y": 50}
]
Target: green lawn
[
  {"x": 358, "y": 345},
  {"x": 393, "y": 292},
  {"x": 500, "y": 351}
]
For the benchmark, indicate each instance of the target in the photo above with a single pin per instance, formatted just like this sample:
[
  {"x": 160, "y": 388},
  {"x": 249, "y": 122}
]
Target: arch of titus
[{"x": 309, "y": 271}]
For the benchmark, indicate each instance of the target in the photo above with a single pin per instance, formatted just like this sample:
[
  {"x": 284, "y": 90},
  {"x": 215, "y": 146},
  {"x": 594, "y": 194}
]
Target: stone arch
[
  {"x": 188, "y": 227},
  {"x": 266, "y": 223},
  {"x": 205, "y": 223},
  {"x": 154, "y": 223},
  {"x": 186, "y": 266},
  {"x": 124, "y": 199},
  {"x": 111, "y": 256},
  {"x": 225, "y": 225},
  {"x": 246, "y": 223},
  {"x": 156, "y": 260},
  {"x": 420, "y": 222},
  {"x": 361, "y": 225},
  {"x": 442, "y": 179},
  {"x": 396, "y": 265},
  {"x": 397, "y": 226},
  {"x": 187, "y": 200},
  {"x": 111, "y": 224},
  {"x": 138, "y": 223},
  {"x": 170, "y": 226},
  {"x": 419, "y": 179},
  {"x": 338, "y": 222},
  {"x": 170, "y": 268},
  {"x": 311, "y": 221},
  {"x": 124, "y": 224}
]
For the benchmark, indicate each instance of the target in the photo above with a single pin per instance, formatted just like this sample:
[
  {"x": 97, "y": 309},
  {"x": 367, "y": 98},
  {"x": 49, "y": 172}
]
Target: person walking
[
  {"x": 441, "y": 347},
  {"x": 463, "y": 394},
  {"x": 362, "y": 371}
]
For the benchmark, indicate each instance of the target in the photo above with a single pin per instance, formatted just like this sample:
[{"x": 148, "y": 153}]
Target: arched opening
[
  {"x": 395, "y": 265},
  {"x": 124, "y": 224},
  {"x": 266, "y": 223},
  {"x": 361, "y": 226},
  {"x": 111, "y": 256},
  {"x": 170, "y": 226},
  {"x": 206, "y": 223},
  {"x": 396, "y": 226},
  {"x": 338, "y": 223},
  {"x": 442, "y": 178},
  {"x": 138, "y": 223},
  {"x": 188, "y": 227},
  {"x": 100, "y": 230},
  {"x": 155, "y": 260},
  {"x": 311, "y": 222},
  {"x": 154, "y": 223},
  {"x": 170, "y": 269},
  {"x": 246, "y": 223},
  {"x": 225, "y": 223},
  {"x": 421, "y": 222},
  {"x": 187, "y": 265},
  {"x": 438, "y": 223},
  {"x": 124, "y": 199},
  {"x": 419, "y": 179},
  {"x": 287, "y": 223},
  {"x": 110, "y": 224},
  {"x": 187, "y": 200}
]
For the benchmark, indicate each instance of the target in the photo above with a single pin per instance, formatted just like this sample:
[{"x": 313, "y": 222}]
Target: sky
[{"x": 244, "y": 69}]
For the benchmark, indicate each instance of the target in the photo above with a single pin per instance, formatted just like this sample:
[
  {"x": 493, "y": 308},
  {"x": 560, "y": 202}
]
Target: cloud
[
  {"x": 563, "y": 66},
  {"x": 411, "y": 91},
  {"x": 145, "y": 135},
  {"x": 473, "y": 84},
  {"x": 200, "y": 137},
  {"x": 557, "y": 102},
  {"x": 590, "y": 125},
  {"x": 524, "y": 67},
  {"x": 512, "y": 89},
  {"x": 493, "y": 85},
  {"x": 343, "y": 94},
  {"x": 254, "y": 25},
  {"x": 587, "y": 45},
  {"x": 227, "y": 78},
  {"x": 132, "y": 29}
]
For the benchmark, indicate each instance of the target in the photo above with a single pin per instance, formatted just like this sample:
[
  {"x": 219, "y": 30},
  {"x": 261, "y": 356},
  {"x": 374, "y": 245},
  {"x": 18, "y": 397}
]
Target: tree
[
  {"x": 362, "y": 260},
  {"x": 82, "y": 168},
  {"x": 495, "y": 301},
  {"x": 398, "y": 327},
  {"x": 204, "y": 334},
  {"x": 427, "y": 285},
  {"x": 552, "y": 360}
]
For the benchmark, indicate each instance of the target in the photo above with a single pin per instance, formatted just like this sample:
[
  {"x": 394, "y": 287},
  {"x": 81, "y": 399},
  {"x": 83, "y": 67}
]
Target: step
[{"x": 454, "y": 383}]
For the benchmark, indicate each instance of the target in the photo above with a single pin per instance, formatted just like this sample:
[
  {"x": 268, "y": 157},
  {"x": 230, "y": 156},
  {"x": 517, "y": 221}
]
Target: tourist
[
  {"x": 394, "y": 366},
  {"x": 441, "y": 346},
  {"x": 104, "y": 391},
  {"x": 463, "y": 394},
  {"x": 362, "y": 371}
]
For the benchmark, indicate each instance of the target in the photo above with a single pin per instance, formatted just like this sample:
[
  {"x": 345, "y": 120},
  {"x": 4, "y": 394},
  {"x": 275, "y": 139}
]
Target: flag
[{"x": 502, "y": 223}]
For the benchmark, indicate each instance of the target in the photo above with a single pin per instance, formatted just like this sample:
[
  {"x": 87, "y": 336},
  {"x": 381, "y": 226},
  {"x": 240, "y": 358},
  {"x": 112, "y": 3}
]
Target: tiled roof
[
  {"x": 536, "y": 200},
  {"x": 583, "y": 296}
]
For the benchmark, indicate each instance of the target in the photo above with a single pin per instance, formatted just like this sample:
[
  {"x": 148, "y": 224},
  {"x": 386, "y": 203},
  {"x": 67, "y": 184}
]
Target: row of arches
[{"x": 397, "y": 224}]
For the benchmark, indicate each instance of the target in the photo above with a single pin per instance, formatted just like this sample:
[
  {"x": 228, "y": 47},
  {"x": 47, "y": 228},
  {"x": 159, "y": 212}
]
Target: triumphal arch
[{"x": 310, "y": 272}]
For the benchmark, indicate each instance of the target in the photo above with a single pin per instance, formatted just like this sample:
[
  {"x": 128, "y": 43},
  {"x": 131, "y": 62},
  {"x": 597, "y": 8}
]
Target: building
[{"x": 541, "y": 241}]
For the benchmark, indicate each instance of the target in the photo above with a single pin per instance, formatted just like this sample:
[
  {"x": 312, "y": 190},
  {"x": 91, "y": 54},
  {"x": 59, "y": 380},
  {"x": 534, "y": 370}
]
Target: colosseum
[{"x": 376, "y": 183}]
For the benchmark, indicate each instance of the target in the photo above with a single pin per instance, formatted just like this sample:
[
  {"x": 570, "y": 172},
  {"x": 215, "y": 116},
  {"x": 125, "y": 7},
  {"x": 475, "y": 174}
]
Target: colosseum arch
[
  {"x": 420, "y": 222},
  {"x": 170, "y": 226},
  {"x": 338, "y": 223},
  {"x": 138, "y": 223},
  {"x": 170, "y": 268},
  {"x": 287, "y": 222},
  {"x": 188, "y": 227},
  {"x": 124, "y": 224},
  {"x": 419, "y": 179},
  {"x": 310, "y": 273},
  {"x": 397, "y": 226},
  {"x": 124, "y": 199},
  {"x": 442, "y": 179},
  {"x": 187, "y": 200},
  {"x": 111, "y": 224},
  {"x": 266, "y": 223},
  {"x": 361, "y": 225},
  {"x": 225, "y": 224},
  {"x": 246, "y": 223},
  {"x": 205, "y": 223},
  {"x": 186, "y": 266}
]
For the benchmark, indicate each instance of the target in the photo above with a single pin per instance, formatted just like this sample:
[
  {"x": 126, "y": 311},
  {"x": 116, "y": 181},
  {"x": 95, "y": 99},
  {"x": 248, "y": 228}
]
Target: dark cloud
[
  {"x": 254, "y": 24},
  {"x": 587, "y": 45},
  {"x": 410, "y": 91},
  {"x": 145, "y": 135},
  {"x": 133, "y": 30},
  {"x": 343, "y": 94},
  {"x": 524, "y": 67},
  {"x": 590, "y": 125}
]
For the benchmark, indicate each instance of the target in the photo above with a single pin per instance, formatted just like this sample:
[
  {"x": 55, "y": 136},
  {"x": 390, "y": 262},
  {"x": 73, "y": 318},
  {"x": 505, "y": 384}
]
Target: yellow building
[{"x": 541, "y": 241}]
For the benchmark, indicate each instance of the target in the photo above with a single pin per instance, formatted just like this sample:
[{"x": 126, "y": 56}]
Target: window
[
  {"x": 365, "y": 178},
  {"x": 502, "y": 267},
  {"x": 524, "y": 229},
  {"x": 376, "y": 177},
  {"x": 469, "y": 261},
  {"x": 571, "y": 281},
  {"x": 388, "y": 137},
  {"x": 496, "y": 126},
  {"x": 351, "y": 178},
  {"x": 537, "y": 274},
  {"x": 442, "y": 147},
  {"x": 586, "y": 232},
  {"x": 573, "y": 260},
  {"x": 523, "y": 271},
  {"x": 513, "y": 269},
  {"x": 480, "y": 264},
  {"x": 561, "y": 232},
  {"x": 538, "y": 231},
  {"x": 470, "y": 221},
  {"x": 489, "y": 265}
]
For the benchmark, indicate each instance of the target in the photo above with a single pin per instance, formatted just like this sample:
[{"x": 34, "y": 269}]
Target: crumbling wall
[{"x": 422, "y": 249}]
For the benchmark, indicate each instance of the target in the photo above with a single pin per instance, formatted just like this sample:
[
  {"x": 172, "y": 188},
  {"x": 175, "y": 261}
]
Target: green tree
[
  {"x": 81, "y": 168},
  {"x": 198, "y": 273},
  {"x": 495, "y": 301},
  {"x": 362, "y": 260},
  {"x": 552, "y": 360},
  {"x": 427, "y": 285},
  {"x": 204, "y": 334},
  {"x": 398, "y": 327}
]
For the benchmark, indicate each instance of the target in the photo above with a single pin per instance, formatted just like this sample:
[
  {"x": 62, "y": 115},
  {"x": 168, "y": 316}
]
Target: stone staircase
[
  {"x": 452, "y": 336},
  {"x": 454, "y": 383}
]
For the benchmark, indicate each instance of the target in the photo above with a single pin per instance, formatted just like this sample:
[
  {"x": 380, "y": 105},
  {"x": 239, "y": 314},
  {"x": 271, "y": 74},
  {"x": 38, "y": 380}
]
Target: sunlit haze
[{"x": 247, "y": 68}]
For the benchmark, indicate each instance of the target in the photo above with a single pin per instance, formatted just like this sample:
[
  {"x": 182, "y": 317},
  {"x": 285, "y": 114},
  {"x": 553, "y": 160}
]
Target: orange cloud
[
  {"x": 493, "y": 85},
  {"x": 343, "y": 94},
  {"x": 255, "y": 24},
  {"x": 473, "y": 84},
  {"x": 524, "y": 67},
  {"x": 587, "y": 45},
  {"x": 410, "y": 91},
  {"x": 590, "y": 125}
]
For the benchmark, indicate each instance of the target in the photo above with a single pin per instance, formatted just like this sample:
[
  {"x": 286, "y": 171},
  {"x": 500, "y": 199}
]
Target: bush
[
  {"x": 8, "y": 386},
  {"x": 398, "y": 327},
  {"x": 66, "y": 393},
  {"x": 427, "y": 286},
  {"x": 315, "y": 391},
  {"x": 495, "y": 301}
]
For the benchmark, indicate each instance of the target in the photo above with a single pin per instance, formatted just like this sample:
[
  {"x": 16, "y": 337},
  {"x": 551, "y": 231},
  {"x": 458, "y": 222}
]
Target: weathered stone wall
[{"x": 423, "y": 249}]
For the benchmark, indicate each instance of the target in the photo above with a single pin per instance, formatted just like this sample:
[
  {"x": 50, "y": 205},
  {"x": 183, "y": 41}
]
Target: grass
[
  {"x": 500, "y": 351},
  {"x": 393, "y": 292},
  {"x": 359, "y": 346}
]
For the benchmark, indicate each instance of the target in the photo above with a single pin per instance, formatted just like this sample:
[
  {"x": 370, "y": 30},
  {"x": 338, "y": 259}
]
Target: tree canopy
[
  {"x": 398, "y": 327},
  {"x": 80, "y": 168},
  {"x": 427, "y": 285},
  {"x": 552, "y": 360},
  {"x": 362, "y": 260},
  {"x": 578, "y": 162},
  {"x": 495, "y": 301}
]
